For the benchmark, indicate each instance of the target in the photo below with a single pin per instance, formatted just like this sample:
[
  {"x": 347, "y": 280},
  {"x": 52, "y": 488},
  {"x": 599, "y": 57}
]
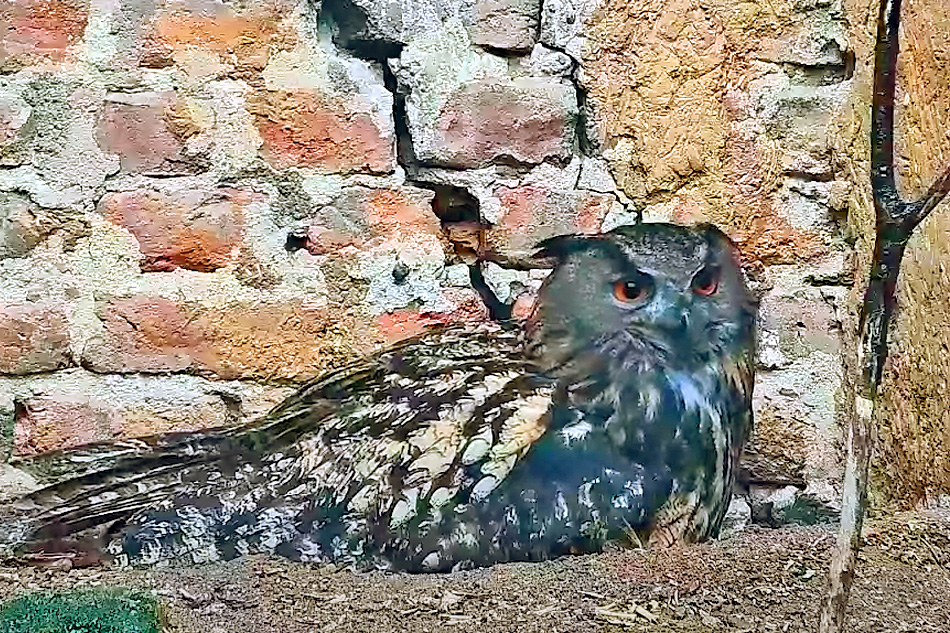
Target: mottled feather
[{"x": 471, "y": 444}]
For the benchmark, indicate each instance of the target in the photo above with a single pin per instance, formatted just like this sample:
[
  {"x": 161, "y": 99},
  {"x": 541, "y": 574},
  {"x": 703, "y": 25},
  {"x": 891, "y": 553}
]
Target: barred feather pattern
[
  {"x": 467, "y": 445},
  {"x": 438, "y": 453}
]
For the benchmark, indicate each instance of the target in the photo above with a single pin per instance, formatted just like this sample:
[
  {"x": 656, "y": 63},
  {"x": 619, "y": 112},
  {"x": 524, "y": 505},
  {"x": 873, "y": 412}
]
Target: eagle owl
[{"x": 617, "y": 412}]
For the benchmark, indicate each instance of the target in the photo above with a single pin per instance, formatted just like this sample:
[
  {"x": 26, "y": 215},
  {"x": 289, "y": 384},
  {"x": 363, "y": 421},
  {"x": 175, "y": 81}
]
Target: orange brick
[
  {"x": 304, "y": 129},
  {"x": 193, "y": 229},
  {"x": 242, "y": 340},
  {"x": 52, "y": 421},
  {"x": 240, "y": 37},
  {"x": 33, "y": 338}
]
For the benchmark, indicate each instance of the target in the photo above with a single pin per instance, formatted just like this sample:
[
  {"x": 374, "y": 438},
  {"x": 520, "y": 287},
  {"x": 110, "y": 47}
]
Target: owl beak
[
  {"x": 678, "y": 325},
  {"x": 681, "y": 326}
]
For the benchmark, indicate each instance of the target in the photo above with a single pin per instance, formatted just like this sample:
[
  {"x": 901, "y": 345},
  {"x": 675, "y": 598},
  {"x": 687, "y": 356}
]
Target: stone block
[
  {"x": 23, "y": 225},
  {"x": 507, "y": 24},
  {"x": 34, "y": 30},
  {"x": 396, "y": 21},
  {"x": 15, "y": 483},
  {"x": 195, "y": 229},
  {"x": 138, "y": 128},
  {"x": 797, "y": 419},
  {"x": 801, "y": 116},
  {"x": 464, "y": 110},
  {"x": 533, "y": 213},
  {"x": 61, "y": 164},
  {"x": 14, "y": 113},
  {"x": 242, "y": 339},
  {"x": 563, "y": 23},
  {"x": 814, "y": 205},
  {"x": 796, "y": 319},
  {"x": 364, "y": 216},
  {"x": 595, "y": 176},
  {"x": 546, "y": 62},
  {"x": 34, "y": 338}
]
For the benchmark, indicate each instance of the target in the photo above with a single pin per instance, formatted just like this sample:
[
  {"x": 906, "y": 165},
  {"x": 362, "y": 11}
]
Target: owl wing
[
  {"x": 434, "y": 424},
  {"x": 446, "y": 414}
]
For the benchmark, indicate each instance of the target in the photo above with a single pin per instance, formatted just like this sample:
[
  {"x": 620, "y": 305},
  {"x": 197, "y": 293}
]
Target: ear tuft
[
  {"x": 561, "y": 246},
  {"x": 719, "y": 240}
]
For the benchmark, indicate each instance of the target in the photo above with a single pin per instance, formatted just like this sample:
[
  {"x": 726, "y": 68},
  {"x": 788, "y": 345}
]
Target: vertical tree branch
[{"x": 895, "y": 222}]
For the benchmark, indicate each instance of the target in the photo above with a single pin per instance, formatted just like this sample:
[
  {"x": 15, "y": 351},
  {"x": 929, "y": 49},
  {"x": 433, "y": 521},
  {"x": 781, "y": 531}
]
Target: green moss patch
[{"x": 86, "y": 611}]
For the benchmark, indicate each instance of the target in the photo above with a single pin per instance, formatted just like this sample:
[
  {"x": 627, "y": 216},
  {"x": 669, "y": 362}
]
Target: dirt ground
[{"x": 760, "y": 580}]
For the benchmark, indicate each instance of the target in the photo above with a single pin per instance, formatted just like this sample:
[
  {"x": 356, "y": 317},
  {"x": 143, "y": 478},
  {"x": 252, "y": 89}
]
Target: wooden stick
[{"x": 895, "y": 222}]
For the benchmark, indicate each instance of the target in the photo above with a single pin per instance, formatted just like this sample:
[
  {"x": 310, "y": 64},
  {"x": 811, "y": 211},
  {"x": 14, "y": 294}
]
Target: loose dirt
[{"x": 759, "y": 580}]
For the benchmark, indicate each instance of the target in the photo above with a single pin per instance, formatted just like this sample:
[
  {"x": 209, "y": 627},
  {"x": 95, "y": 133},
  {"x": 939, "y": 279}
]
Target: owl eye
[
  {"x": 633, "y": 290},
  {"x": 706, "y": 281}
]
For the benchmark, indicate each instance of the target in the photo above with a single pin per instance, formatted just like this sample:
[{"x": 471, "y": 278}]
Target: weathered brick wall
[{"x": 205, "y": 202}]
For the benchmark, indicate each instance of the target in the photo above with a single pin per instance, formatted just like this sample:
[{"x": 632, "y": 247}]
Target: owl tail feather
[{"x": 90, "y": 493}]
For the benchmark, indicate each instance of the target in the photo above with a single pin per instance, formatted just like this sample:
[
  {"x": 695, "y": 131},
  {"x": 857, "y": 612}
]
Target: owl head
[{"x": 675, "y": 293}]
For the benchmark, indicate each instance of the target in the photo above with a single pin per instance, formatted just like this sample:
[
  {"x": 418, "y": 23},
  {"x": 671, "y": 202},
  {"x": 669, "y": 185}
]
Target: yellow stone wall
[
  {"x": 747, "y": 113},
  {"x": 914, "y": 457}
]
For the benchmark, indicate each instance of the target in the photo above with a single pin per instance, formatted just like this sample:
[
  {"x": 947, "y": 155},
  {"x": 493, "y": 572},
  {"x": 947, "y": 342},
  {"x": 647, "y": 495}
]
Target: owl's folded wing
[{"x": 445, "y": 414}]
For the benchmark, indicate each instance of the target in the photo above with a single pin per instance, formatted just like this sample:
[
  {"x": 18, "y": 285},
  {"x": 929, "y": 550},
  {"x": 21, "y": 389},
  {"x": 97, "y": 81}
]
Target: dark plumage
[{"x": 620, "y": 410}]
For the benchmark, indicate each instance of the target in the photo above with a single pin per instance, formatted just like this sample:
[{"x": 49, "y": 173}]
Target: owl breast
[{"x": 652, "y": 450}]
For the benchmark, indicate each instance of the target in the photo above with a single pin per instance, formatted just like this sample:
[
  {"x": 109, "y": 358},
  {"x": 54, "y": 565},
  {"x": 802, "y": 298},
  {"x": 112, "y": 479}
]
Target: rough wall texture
[
  {"x": 726, "y": 111},
  {"x": 203, "y": 202}
]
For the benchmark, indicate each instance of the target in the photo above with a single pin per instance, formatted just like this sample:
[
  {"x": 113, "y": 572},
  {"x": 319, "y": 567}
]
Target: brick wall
[{"x": 203, "y": 203}]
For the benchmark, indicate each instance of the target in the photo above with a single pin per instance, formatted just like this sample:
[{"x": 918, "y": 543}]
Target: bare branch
[
  {"x": 935, "y": 195},
  {"x": 883, "y": 182},
  {"x": 896, "y": 221}
]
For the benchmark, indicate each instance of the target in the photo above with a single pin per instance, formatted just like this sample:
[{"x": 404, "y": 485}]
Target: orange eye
[
  {"x": 706, "y": 282},
  {"x": 632, "y": 290}
]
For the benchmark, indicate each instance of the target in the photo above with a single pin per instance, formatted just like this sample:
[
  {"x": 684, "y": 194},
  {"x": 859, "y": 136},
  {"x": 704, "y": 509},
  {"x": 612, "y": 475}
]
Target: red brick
[
  {"x": 304, "y": 129},
  {"x": 53, "y": 421},
  {"x": 46, "y": 424},
  {"x": 487, "y": 120},
  {"x": 523, "y": 306},
  {"x": 33, "y": 338},
  {"x": 242, "y": 38},
  {"x": 139, "y": 132},
  {"x": 240, "y": 340},
  {"x": 39, "y": 29},
  {"x": 532, "y": 213},
  {"x": 361, "y": 216},
  {"x": 403, "y": 324},
  {"x": 192, "y": 229}
]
